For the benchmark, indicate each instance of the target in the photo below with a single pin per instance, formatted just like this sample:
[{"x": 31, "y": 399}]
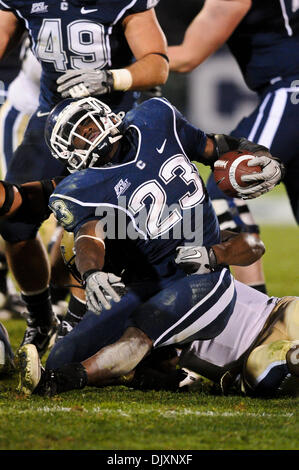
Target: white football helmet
[{"x": 61, "y": 130}]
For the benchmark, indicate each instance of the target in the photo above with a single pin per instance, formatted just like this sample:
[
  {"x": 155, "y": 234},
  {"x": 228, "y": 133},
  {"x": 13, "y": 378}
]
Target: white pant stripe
[
  {"x": 259, "y": 117},
  {"x": 274, "y": 118},
  {"x": 286, "y": 18},
  {"x": 208, "y": 317},
  {"x": 5, "y": 109}
]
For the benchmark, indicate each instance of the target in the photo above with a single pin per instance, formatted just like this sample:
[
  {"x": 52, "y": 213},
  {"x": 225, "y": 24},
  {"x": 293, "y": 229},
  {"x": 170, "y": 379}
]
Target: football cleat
[
  {"x": 147, "y": 378},
  {"x": 190, "y": 379},
  {"x": 65, "y": 327},
  {"x": 33, "y": 378},
  {"x": 29, "y": 367},
  {"x": 40, "y": 336}
]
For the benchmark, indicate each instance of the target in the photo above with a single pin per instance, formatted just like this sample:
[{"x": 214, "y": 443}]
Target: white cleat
[
  {"x": 29, "y": 367},
  {"x": 190, "y": 379}
]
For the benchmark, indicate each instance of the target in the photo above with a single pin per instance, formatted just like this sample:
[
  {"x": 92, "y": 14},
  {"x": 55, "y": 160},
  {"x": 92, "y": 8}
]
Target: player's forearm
[
  {"x": 90, "y": 248},
  {"x": 11, "y": 32},
  {"x": 148, "y": 72},
  {"x": 241, "y": 250},
  {"x": 146, "y": 40},
  {"x": 209, "y": 30},
  {"x": 26, "y": 201}
]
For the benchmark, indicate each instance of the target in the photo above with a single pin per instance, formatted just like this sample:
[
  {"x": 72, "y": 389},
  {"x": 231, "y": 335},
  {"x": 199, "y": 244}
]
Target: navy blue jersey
[
  {"x": 67, "y": 35},
  {"x": 9, "y": 69},
  {"x": 152, "y": 194},
  {"x": 266, "y": 42}
]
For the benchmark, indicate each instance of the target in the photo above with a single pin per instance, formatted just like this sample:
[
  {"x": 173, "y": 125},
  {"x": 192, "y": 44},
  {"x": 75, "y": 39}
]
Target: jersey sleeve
[
  {"x": 192, "y": 139},
  {"x": 4, "y": 6},
  {"x": 142, "y": 5}
]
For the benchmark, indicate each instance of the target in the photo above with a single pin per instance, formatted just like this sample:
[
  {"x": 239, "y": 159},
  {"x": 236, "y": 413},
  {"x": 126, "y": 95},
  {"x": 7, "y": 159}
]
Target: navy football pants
[{"x": 187, "y": 308}]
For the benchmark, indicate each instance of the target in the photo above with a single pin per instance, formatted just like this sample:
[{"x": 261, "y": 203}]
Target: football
[{"x": 229, "y": 169}]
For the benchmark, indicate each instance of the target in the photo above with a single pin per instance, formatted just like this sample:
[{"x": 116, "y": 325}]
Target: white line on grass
[{"x": 165, "y": 414}]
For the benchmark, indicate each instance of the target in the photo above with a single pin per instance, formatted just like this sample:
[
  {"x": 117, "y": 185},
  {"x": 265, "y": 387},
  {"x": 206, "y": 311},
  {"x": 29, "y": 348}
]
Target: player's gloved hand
[
  {"x": 196, "y": 259},
  {"x": 100, "y": 289},
  {"x": 85, "y": 82},
  {"x": 264, "y": 181}
]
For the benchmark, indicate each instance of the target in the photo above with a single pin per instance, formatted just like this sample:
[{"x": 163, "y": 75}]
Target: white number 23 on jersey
[{"x": 155, "y": 225}]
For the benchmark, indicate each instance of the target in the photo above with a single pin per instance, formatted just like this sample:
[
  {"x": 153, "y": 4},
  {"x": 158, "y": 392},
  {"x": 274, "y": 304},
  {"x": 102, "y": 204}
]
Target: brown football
[{"x": 229, "y": 169}]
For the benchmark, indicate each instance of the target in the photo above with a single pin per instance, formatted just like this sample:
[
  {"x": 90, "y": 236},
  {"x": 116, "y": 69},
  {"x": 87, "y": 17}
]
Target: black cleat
[
  {"x": 66, "y": 325},
  {"x": 40, "y": 336}
]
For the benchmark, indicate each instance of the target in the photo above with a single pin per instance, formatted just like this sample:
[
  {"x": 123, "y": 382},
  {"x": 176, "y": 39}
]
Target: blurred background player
[
  {"x": 113, "y": 51},
  {"x": 20, "y": 104},
  {"x": 263, "y": 36},
  {"x": 13, "y": 121}
]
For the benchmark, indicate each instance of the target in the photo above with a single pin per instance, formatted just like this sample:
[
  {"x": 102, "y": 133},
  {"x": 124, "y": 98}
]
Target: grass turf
[{"x": 117, "y": 418}]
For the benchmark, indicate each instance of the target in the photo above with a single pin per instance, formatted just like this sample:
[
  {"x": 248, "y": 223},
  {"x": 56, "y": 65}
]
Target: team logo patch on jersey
[
  {"x": 39, "y": 7},
  {"x": 61, "y": 212},
  {"x": 121, "y": 187}
]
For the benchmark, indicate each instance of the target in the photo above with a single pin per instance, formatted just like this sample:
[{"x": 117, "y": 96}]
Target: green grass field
[{"x": 117, "y": 418}]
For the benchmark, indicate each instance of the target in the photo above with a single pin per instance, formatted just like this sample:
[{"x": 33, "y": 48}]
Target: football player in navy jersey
[
  {"x": 263, "y": 36},
  {"x": 133, "y": 199},
  {"x": 101, "y": 48},
  {"x": 258, "y": 345}
]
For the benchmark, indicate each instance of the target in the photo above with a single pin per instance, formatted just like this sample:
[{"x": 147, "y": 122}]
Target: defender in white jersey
[{"x": 258, "y": 351}]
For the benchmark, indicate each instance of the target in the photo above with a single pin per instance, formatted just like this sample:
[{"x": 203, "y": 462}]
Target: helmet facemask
[{"x": 66, "y": 137}]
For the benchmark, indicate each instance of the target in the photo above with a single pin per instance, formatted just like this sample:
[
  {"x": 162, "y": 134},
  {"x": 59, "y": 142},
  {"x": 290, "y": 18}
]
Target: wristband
[
  {"x": 88, "y": 273},
  {"x": 122, "y": 79}
]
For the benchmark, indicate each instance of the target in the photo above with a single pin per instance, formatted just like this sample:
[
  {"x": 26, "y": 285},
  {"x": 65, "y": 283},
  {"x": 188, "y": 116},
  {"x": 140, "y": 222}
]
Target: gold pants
[{"x": 266, "y": 368}]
